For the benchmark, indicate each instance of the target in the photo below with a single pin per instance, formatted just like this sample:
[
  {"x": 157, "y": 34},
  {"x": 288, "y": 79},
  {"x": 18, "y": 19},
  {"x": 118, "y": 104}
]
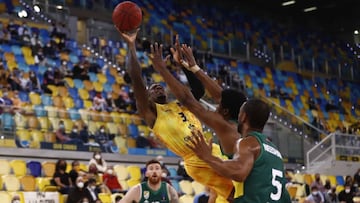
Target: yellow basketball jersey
[{"x": 173, "y": 127}]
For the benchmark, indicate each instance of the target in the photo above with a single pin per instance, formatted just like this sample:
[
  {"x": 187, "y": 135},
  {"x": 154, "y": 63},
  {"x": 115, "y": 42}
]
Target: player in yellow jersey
[
  {"x": 223, "y": 121},
  {"x": 172, "y": 123}
]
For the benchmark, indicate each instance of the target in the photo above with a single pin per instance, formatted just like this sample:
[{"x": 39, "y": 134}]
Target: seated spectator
[
  {"x": 111, "y": 181},
  {"x": 103, "y": 139},
  {"x": 110, "y": 102},
  {"x": 91, "y": 191},
  {"x": 58, "y": 77},
  {"x": 315, "y": 196},
  {"x": 15, "y": 199},
  {"x": 318, "y": 183},
  {"x": 346, "y": 195},
  {"x": 4, "y": 74},
  {"x": 64, "y": 69},
  {"x": 84, "y": 134},
  {"x": 48, "y": 79},
  {"x": 14, "y": 79},
  {"x": 80, "y": 72},
  {"x": 34, "y": 85},
  {"x": 75, "y": 171},
  {"x": 142, "y": 141},
  {"x": 5, "y": 99},
  {"x": 24, "y": 81},
  {"x": 17, "y": 103},
  {"x": 75, "y": 133},
  {"x": 357, "y": 178},
  {"x": 63, "y": 138},
  {"x": 99, "y": 162},
  {"x": 330, "y": 106},
  {"x": 99, "y": 103},
  {"x": 78, "y": 192},
  {"x": 333, "y": 197},
  {"x": 26, "y": 38},
  {"x": 61, "y": 178}
]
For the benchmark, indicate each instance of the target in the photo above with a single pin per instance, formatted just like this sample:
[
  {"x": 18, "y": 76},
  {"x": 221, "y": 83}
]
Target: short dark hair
[
  {"x": 91, "y": 180},
  {"x": 257, "y": 112},
  {"x": 314, "y": 187},
  {"x": 232, "y": 100},
  {"x": 152, "y": 161}
]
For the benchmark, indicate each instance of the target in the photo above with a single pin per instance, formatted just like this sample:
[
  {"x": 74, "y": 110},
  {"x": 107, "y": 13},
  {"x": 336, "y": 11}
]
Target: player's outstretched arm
[
  {"x": 224, "y": 130},
  {"x": 173, "y": 195},
  {"x": 134, "y": 69},
  {"x": 237, "y": 168},
  {"x": 190, "y": 63}
]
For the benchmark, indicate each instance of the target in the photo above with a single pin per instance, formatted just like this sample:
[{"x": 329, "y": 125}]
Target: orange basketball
[{"x": 127, "y": 16}]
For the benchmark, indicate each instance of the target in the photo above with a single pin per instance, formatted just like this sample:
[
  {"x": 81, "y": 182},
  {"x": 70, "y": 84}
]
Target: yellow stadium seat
[
  {"x": 5, "y": 168},
  {"x": 26, "y": 51},
  {"x": 36, "y": 138},
  {"x": 54, "y": 123},
  {"x": 299, "y": 177},
  {"x": 134, "y": 172},
  {"x": 28, "y": 183},
  {"x": 116, "y": 117},
  {"x": 68, "y": 125},
  {"x": 88, "y": 104},
  {"x": 124, "y": 184},
  {"x": 57, "y": 101},
  {"x": 121, "y": 172},
  {"x": 11, "y": 183},
  {"x": 18, "y": 167},
  {"x": 186, "y": 187},
  {"x": 84, "y": 94},
  {"x": 300, "y": 192},
  {"x": 98, "y": 86},
  {"x": 131, "y": 142},
  {"x": 186, "y": 198},
  {"x": 122, "y": 129},
  {"x": 101, "y": 78},
  {"x": 145, "y": 129},
  {"x": 113, "y": 128},
  {"x": 5, "y": 197},
  {"x": 50, "y": 137},
  {"x": 308, "y": 179},
  {"x": 92, "y": 128},
  {"x": 48, "y": 168},
  {"x": 44, "y": 123},
  {"x": 68, "y": 102},
  {"x": 63, "y": 197},
  {"x": 20, "y": 121},
  {"x": 120, "y": 142},
  {"x": 23, "y": 135},
  {"x": 63, "y": 91},
  {"x": 105, "y": 197},
  {"x": 85, "y": 115},
  {"x": 44, "y": 185},
  {"x": 197, "y": 187},
  {"x": 332, "y": 180},
  {"x": 292, "y": 191},
  {"x": 132, "y": 182},
  {"x": 69, "y": 81},
  {"x": 34, "y": 98},
  {"x": 33, "y": 122},
  {"x": 88, "y": 85}
]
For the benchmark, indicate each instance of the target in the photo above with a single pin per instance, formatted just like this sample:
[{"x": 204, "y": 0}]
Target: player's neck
[
  {"x": 249, "y": 130},
  {"x": 155, "y": 186}
]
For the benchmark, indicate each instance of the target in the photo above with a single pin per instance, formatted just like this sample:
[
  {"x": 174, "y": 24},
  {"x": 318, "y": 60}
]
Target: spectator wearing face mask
[
  {"x": 103, "y": 139},
  {"x": 318, "y": 183},
  {"x": 75, "y": 133},
  {"x": 182, "y": 172},
  {"x": 61, "y": 136},
  {"x": 78, "y": 192},
  {"x": 91, "y": 191},
  {"x": 99, "y": 162},
  {"x": 346, "y": 196},
  {"x": 315, "y": 196},
  {"x": 61, "y": 178},
  {"x": 111, "y": 181}
]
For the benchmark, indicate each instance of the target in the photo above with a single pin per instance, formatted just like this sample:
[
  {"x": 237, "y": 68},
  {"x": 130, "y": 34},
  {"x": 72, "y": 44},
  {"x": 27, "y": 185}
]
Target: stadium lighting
[
  {"x": 22, "y": 14},
  {"x": 356, "y": 32},
  {"x": 310, "y": 9},
  {"x": 36, "y": 8},
  {"x": 287, "y": 3},
  {"x": 59, "y": 7}
]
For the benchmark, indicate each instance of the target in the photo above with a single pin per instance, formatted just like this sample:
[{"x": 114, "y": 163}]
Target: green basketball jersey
[
  {"x": 266, "y": 181},
  {"x": 150, "y": 196}
]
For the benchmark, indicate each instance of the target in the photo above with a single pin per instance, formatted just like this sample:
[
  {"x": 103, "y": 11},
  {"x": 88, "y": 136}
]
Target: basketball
[{"x": 127, "y": 16}]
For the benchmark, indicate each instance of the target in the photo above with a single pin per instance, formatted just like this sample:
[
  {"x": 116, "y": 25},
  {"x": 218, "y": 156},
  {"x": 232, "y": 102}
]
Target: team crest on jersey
[{"x": 146, "y": 194}]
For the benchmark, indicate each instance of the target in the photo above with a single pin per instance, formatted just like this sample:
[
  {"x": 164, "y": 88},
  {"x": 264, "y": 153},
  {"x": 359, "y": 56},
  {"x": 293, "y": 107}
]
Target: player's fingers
[
  {"x": 210, "y": 143},
  {"x": 156, "y": 48},
  {"x": 160, "y": 50},
  {"x": 172, "y": 50},
  {"x": 167, "y": 58},
  {"x": 152, "y": 50}
]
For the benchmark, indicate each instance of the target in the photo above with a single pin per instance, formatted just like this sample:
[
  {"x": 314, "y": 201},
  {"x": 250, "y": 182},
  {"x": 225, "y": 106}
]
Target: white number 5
[{"x": 276, "y": 173}]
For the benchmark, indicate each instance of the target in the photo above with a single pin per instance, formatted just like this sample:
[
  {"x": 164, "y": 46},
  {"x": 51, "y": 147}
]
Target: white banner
[{"x": 41, "y": 197}]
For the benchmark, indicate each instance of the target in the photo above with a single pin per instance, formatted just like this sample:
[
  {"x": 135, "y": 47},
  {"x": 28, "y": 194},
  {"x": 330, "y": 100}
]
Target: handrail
[
  {"x": 293, "y": 115},
  {"x": 316, "y": 147}
]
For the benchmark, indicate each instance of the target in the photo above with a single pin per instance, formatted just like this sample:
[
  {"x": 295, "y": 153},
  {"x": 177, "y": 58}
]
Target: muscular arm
[
  {"x": 197, "y": 88},
  {"x": 133, "y": 195},
  {"x": 238, "y": 168},
  {"x": 173, "y": 195},
  {"x": 142, "y": 103}
]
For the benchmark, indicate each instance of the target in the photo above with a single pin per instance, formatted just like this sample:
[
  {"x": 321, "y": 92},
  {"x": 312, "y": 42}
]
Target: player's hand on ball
[
  {"x": 129, "y": 37},
  {"x": 199, "y": 146}
]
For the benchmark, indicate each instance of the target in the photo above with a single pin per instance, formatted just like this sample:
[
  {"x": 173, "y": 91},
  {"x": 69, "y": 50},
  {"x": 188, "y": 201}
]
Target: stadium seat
[
  {"x": 197, "y": 187},
  {"x": 124, "y": 184},
  {"x": 44, "y": 123},
  {"x": 48, "y": 168},
  {"x": 186, "y": 187},
  {"x": 11, "y": 183},
  {"x": 292, "y": 192},
  {"x": 132, "y": 182},
  {"x": 121, "y": 172},
  {"x": 44, "y": 184},
  {"x": 34, "y": 168},
  {"x": 186, "y": 198},
  {"x": 5, "y": 197},
  {"x": 105, "y": 198},
  {"x": 28, "y": 183},
  {"x": 18, "y": 167},
  {"x": 134, "y": 172},
  {"x": 5, "y": 168}
]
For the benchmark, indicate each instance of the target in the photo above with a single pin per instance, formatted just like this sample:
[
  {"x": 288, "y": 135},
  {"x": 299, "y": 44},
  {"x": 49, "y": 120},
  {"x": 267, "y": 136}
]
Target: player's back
[
  {"x": 173, "y": 127},
  {"x": 266, "y": 181}
]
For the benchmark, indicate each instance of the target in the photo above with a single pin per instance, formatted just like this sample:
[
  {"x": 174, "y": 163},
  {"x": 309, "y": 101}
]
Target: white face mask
[
  {"x": 314, "y": 193},
  {"x": 97, "y": 156},
  {"x": 347, "y": 190},
  {"x": 102, "y": 130},
  {"x": 80, "y": 184},
  {"x": 16, "y": 201},
  {"x": 181, "y": 163},
  {"x": 110, "y": 171},
  {"x": 93, "y": 187},
  {"x": 75, "y": 130},
  {"x": 163, "y": 175}
]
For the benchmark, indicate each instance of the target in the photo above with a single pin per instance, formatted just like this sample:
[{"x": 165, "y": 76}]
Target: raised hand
[
  {"x": 188, "y": 55},
  {"x": 129, "y": 37},
  {"x": 199, "y": 146},
  {"x": 156, "y": 56},
  {"x": 176, "y": 52}
]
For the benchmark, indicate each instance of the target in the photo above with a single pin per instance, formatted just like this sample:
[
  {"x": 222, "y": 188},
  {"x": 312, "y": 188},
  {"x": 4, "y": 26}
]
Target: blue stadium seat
[
  {"x": 34, "y": 167},
  {"x": 24, "y": 96},
  {"x": 40, "y": 111},
  {"x": 74, "y": 114},
  {"x": 7, "y": 121},
  {"x": 133, "y": 130},
  {"x": 46, "y": 100}
]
